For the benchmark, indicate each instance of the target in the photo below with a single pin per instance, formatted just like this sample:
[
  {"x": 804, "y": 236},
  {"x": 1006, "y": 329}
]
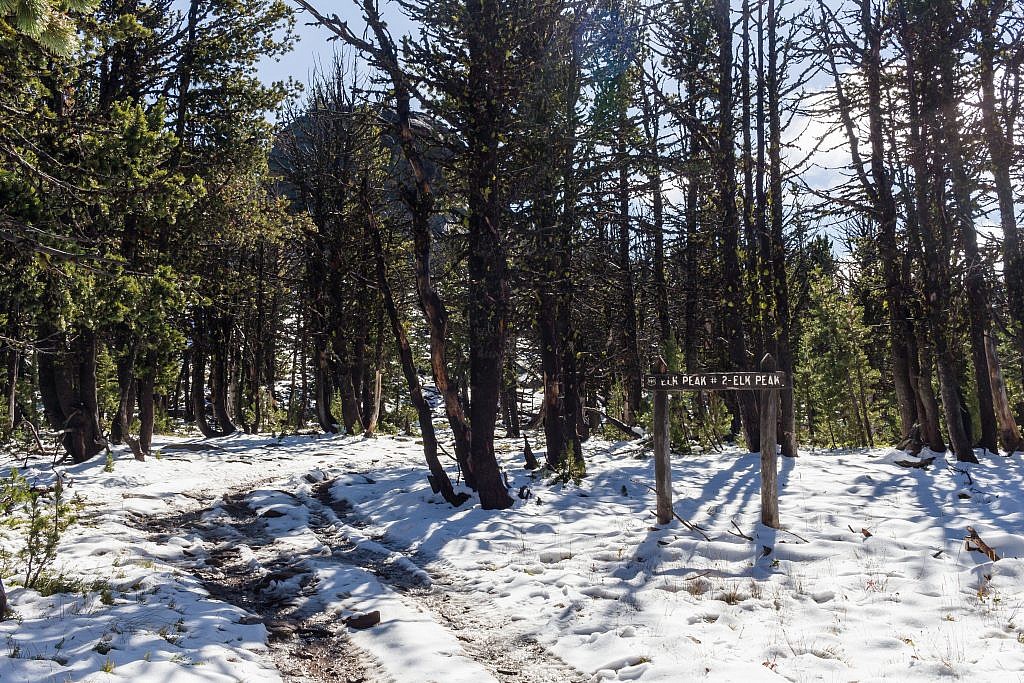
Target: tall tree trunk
[
  {"x": 691, "y": 253},
  {"x": 551, "y": 353},
  {"x": 780, "y": 282},
  {"x": 372, "y": 394},
  {"x": 1009, "y": 435},
  {"x": 200, "y": 338},
  {"x": 652, "y": 131},
  {"x": 630, "y": 343},
  {"x": 488, "y": 278},
  {"x": 726, "y": 168},
  {"x": 439, "y": 479},
  {"x": 13, "y": 363},
  {"x": 885, "y": 209},
  {"x": 348, "y": 377},
  {"x": 751, "y": 201},
  {"x": 67, "y": 386},
  {"x": 219, "y": 386},
  {"x": 928, "y": 405},
  {"x": 575, "y": 424},
  {"x": 125, "y": 365},
  {"x": 926, "y": 100},
  {"x": 147, "y": 408},
  {"x": 979, "y": 310},
  {"x": 879, "y": 192},
  {"x": 1000, "y": 150},
  {"x": 322, "y": 386},
  {"x": 303, "y": 410},
  {"x": 918, "y": 339}
]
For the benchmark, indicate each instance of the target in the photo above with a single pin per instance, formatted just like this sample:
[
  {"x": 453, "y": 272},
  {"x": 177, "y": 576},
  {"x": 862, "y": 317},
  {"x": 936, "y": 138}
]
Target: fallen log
[
  {"x": 363, "y": 621},
  {"x": 973, "y": 542},
  {"x": 619, "y": 424},
  {"x": 923, "y": 463}
]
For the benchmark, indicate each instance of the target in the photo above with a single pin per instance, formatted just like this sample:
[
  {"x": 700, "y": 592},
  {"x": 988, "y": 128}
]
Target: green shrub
[{"x": 41, "y": 516}]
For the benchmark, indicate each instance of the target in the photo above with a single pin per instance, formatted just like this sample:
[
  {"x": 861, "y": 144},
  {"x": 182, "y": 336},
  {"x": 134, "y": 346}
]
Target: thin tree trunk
[
  {"x": 979, "y": 311},
  {"x": 67, "y": 386},
  {"x": 779, "y": 275},
  {"x": 1009, "y": 435},
  {"x": 1000, "y": 149},
  {"x": 13, "y": 363},
  {"x": 510, "y": 401},
  {"x": 866, "y": 416},
  {"x": 487, "y": 262},
  {"x": 322, "y": 386},
  {"x": 200, "y": 337},
  {"x": 726, "y": 158},
  {"x": 119, "y": 430},
  {"x": 630, "y": 344},
  {"x": 371, "y": 412},
  {"x": 147, "y": 408},
  {"x": 439, "y": 479}
]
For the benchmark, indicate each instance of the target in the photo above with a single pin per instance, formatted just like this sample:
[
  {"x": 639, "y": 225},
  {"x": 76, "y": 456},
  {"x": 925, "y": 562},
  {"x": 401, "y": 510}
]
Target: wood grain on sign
[{"x": 716, "y": 381}]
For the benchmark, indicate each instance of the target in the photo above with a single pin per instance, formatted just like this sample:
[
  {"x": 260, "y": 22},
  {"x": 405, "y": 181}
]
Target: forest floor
[{"x": 251, "y": 558}]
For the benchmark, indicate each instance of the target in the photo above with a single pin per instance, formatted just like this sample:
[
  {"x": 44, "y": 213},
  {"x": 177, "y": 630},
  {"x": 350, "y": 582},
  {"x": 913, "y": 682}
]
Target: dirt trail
[
  {"x": 315, "y": 646},
  {"x": 304, "y": 648},
  {"x": 491, "y": 639}
]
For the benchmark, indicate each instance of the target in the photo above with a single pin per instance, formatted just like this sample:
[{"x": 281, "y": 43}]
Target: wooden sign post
[
  {"x": 662, "y": 466},
  {"x": 767, "y": 383},
  {"x": 769, "y": 409}
]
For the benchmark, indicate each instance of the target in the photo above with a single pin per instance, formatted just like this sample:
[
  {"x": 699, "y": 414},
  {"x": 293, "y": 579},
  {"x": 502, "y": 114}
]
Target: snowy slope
[{"x": 581, "y": 571}]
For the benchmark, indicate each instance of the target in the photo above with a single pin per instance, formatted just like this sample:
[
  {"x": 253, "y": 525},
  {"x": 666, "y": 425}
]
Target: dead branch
[
  {"x": 619, "y": 424},
  {"x": 793, "y": 533},
  {"x": 690, "y": 525},
  {"x": 739, "y": 532}
]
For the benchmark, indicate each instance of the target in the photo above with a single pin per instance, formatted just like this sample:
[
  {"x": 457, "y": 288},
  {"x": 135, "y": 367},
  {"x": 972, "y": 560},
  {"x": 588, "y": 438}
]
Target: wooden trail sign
[
  {"x": 767, "y": 383},
  {"x": 715, "y": 381}
]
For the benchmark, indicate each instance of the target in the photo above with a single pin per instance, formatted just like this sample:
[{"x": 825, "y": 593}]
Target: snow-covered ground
[{"x": 869, "y": 581}]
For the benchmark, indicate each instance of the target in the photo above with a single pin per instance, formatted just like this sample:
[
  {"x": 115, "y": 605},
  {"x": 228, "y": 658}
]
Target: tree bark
[
  {"x": 200, "y": 338},
  {"x": 926, "y": 98},
  {"x": 630, "y": 343},
  {"x": 979, "y": 309},
  {"x": 778, "y": 248},
  {"x": 726, "y": 158},
  {"x": 13, "y": 363},
  {"x": 125, "y": 365},
  {"x": 487, "y": 262},
  {"x": 1000, "y": 149},
  {"x": 67, "y": 386},
  {"x": 662, "y": 452},
  {"x": 439, "y": 479},
  {"x": 147, "y": 408},
  {"x": 769, "y": 400},
  {"x": 322, "y": 386},
  {"x": 1009, "y": 435}
]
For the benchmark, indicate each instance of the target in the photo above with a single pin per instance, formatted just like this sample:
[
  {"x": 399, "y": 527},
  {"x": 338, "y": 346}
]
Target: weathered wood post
[
  {"x": 769, "y": 400},
  {"x": 662, "y": 465}
]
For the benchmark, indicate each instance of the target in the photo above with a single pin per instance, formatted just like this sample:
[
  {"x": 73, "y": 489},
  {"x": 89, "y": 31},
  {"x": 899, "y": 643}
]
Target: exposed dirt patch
[
  {"x": 316, "y": 647},
  {"x": 304, "y": 648},
  {"x": 492, "y": 639}
]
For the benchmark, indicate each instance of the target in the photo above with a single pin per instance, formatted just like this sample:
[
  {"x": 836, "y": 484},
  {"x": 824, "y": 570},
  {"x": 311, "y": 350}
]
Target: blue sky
[{"x": 314, "y": 47}]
